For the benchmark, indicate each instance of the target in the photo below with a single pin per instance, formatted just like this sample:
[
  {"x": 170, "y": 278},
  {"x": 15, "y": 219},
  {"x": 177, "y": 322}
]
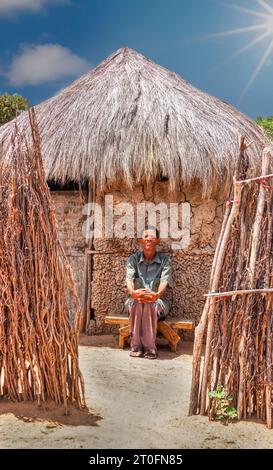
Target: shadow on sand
[{"x": 49, "y": 413}]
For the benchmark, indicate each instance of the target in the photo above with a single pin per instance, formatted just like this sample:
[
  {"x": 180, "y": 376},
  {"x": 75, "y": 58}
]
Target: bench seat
[{"x": 168, "y": 328}]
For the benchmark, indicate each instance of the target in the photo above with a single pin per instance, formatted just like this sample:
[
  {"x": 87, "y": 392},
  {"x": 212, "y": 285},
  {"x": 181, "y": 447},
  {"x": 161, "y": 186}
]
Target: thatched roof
[{"x": 130, "y": 119}]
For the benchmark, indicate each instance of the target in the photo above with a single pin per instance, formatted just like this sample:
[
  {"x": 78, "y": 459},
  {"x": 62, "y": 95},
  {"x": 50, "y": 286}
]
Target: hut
[{"x": 138, "y": 133}]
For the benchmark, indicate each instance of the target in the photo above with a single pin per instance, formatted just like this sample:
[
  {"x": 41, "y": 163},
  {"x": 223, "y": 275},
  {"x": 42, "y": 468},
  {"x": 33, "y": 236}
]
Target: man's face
[{"x": 149, "y": 240}]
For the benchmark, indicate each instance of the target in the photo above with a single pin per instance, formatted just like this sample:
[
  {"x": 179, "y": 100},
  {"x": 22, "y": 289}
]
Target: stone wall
[{"x": 191, "y": 267}]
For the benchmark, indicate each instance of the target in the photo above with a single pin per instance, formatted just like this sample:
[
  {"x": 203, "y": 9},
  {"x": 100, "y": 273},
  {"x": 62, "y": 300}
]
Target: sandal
[
  {"x": 136, "y": 354},
  {"x": 150, "y": 355}
]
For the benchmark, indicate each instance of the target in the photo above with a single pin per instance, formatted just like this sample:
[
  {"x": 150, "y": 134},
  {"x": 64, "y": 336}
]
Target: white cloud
[
  {"x": 44, "y": 63},
  {"x": 8, "y": 7}
]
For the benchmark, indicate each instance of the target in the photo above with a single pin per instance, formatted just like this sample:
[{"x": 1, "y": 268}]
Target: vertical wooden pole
[
  {"x": 258, "y": 221},
  {"x": 268, "y": 390},
  {"x": 84, "y": 296},
  {"x": 269, "y": 316},
  {"x": 88, "y": 261}
]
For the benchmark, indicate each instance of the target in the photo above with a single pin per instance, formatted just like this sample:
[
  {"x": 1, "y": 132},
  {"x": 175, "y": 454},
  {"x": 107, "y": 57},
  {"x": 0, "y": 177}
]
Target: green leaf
[
  {"x": 267, "y": 124},
  {"x": 10, "y": 106}
]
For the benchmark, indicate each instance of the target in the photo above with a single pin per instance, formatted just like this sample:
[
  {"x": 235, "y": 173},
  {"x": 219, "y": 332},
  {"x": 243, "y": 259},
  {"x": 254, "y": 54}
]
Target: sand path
[{"x": 135, "y": 403}]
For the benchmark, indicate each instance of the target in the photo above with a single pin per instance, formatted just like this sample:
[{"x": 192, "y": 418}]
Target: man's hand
[
  {"x": 151, "y": 297},
  {"x": 145, "y": 295},
  {"x": 140, "y": 294}
]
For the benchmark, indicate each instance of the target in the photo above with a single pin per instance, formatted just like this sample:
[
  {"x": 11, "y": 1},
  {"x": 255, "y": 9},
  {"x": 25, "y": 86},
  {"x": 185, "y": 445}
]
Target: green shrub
[
  {"x": 11, "y": 106},
  {"x": 223, "y": 405},
  {"x": 267, "y": 124}
]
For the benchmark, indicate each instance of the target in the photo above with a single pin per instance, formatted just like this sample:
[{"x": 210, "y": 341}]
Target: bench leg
[
  {"x": 169, "y": 334},
  {"x": 163, "y": 327},
  {"x": 123, "y": 335}
]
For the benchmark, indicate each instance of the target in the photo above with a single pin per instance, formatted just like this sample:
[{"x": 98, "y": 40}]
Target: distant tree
[
  {"x": 267, "y": 124},
  {"x": 11, "y": 106}
]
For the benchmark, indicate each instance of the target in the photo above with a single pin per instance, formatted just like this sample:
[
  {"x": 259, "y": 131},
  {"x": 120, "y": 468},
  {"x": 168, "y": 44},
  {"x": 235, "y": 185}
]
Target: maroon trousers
[{"x": 143, "y": 326}]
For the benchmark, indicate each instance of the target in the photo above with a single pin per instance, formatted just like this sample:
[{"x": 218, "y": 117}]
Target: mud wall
[
  {"x": 191, "y": 266},
  {"x": 69, "y": 218}
]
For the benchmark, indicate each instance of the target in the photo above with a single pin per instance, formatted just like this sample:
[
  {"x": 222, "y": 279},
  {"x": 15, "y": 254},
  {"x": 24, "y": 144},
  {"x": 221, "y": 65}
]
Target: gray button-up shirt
[{"x": 150, "y": 275}]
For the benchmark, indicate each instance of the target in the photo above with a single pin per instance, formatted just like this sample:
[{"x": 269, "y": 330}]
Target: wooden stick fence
[
  {"x": 237, "y": 320},
  {"x": 39, "y": 307}
]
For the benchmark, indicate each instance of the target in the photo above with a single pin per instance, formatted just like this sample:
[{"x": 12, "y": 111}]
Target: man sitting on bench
[{"x": 148, "y": 273}]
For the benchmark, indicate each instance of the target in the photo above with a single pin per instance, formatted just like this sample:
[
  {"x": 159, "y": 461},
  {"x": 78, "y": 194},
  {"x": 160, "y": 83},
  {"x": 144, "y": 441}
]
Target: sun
[{"x": 264, "y": 27}]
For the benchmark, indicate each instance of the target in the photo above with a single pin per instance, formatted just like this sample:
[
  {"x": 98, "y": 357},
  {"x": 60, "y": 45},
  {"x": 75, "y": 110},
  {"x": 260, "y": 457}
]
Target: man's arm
[
  {"x": 162, "y": 287},
  {"x": 166, "y": 275},
  {"x": 130, "y": 286},
  {"x": 139, "y": 294},
  {"x": 165, "y": 279}
]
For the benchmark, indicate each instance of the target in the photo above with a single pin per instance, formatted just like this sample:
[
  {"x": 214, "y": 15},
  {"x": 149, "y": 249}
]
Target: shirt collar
[{"x": 155, "y": 260}]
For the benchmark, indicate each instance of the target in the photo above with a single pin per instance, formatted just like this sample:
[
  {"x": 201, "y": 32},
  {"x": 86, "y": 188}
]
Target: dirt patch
[{"x": 99, "y": 341}]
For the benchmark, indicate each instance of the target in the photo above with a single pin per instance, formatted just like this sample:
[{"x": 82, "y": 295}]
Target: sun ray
[
  {"x": 230, "y": 32},
  {"x": 244, "y": 10},
  {"x": 243, "y": 49},
  {"x": 259, "y": 67},
  {"x": 250, "y": 45},
  {"x": 263, "y": 29},
  {"x": 265, "y": 6}
]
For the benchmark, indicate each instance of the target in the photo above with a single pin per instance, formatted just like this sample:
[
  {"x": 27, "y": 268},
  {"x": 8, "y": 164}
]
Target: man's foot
[
  {"x": 150, "y": 355},
  {"x": 136, "y": 353}
]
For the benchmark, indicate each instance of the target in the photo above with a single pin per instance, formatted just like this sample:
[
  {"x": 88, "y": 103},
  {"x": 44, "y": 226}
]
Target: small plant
[{"x": 223, "y": 408}]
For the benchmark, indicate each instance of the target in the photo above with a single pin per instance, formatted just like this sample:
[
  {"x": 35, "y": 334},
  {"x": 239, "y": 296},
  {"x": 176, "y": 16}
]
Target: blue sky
[{"x": 46, "y": 44}]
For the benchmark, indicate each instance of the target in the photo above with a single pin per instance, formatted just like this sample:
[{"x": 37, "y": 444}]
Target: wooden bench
[{"x": 168, "y": 328}]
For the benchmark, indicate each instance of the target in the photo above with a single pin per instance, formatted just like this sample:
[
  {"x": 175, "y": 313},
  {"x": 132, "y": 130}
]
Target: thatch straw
[
  {"x": 38, "y": 336},
  {"x": 132, "y": 120}
]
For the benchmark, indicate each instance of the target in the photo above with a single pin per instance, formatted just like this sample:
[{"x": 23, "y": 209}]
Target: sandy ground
[{"x": 134, "y": 403}]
